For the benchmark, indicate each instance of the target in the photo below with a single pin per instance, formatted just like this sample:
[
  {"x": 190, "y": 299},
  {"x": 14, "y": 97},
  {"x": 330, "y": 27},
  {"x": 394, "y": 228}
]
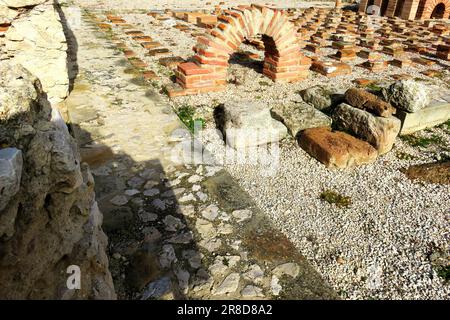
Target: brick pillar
[
  {"x": 390, "y": 12},
  {"x": 410, "y": 9},
  {"x": 363, "y": 5},
  {"x": 208, "y": 69}
]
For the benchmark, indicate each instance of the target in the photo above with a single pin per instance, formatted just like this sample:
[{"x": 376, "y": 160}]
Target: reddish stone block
[
  {"x": 374, "y": 66},
  {"x": 151, "y": 45},
  {"x": 431, "y": 73},
  {"x": 363, "y": 82},
  {"x": 190, "y": 68},
  {"x": 129, "y": 53},
  {"x": 149, "y": 75},
  {"x": 400, "y": 63},
  {"x": 143, "y": 38},
  {"x": 158, "y": 52},
  {"x": 401, "y": 76},
  {"x": 4, "y": 28},
  {"x": 331, "y": 69},
  {"x": 138, "y": 63},
  {"x": 134, "y": 33},
  {"x": 423, "y": 61},
  {"x": 104, "y": 26}
]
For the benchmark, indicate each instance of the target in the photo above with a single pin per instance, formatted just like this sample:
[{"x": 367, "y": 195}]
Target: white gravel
[{"x": 379, "y": 247}]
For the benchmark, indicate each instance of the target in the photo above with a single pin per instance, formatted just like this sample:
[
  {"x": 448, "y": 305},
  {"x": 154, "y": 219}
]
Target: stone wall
[
  {"x": 31, "y": 34},
  {"x": 49, "y": 219}
]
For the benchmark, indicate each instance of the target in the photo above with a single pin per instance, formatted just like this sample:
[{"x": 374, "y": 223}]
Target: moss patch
[
  {"x": 186, "y": 115},
  {"x": 334, "y": 197}
]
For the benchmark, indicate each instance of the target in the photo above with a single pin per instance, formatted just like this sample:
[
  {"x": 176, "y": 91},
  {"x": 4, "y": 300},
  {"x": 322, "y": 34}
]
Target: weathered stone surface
[
  {"x": 36, "y": 40},
  {"x": 53, "y": 221},
  {"x": 250, "y": 124},
  {"x": 242, "y": 215},
  {"x": 430, "y": 172},
  {"x": 229, "y": 285},
  {"x": 291, "y": 269},
  {"x": 321, "y": 97},
  {"x": 7, "y": 14},
  {"x": 380, "y": 132},
  {"x": 10, "y": 174},
  {"x": 361, "y": 99},
  {"x": 157, "y": 289},
  {"x": 408, "y": 95},
  {"x": 336, "y": 149},
  {"x": 21, "y": 3},
  {"x": 251, "y": 292},
  {"x": 300, "y": 116}
]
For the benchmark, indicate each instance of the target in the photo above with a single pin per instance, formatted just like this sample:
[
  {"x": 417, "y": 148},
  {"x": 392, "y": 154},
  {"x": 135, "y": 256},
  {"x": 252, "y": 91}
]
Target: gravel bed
[{"x": 380, "y": 246}]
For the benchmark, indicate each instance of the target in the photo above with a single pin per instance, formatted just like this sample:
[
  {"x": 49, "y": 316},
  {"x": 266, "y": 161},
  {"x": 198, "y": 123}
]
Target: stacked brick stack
[
  {"x": 283, "y": 59},
  {"x": 207, "y": 21}
]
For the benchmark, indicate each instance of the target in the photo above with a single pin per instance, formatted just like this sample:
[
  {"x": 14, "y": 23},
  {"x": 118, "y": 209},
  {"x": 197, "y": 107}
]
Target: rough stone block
[
  {"x": 336, "y": 149},
  {"x": 380, "y": 132},
  {"x": 10, "y": 174},
  {"x": 249, "y": 124}
]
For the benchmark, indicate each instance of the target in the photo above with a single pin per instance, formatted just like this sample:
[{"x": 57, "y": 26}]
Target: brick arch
[
  {"x": 426, "y": 8},
  {"x": 283, "y": 60}
]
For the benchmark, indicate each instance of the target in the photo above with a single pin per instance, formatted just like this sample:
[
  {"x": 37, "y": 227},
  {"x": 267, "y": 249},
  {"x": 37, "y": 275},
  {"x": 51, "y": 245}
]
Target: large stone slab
[
  {"x": 380, "y": 132},
  {"x": 10, "y": 174},
  {"x": 336, "y": 149},
  {"x": 433, "y": 115},
  {"x": 300, "y": 116},
  {"x": 248, "y": 124}
]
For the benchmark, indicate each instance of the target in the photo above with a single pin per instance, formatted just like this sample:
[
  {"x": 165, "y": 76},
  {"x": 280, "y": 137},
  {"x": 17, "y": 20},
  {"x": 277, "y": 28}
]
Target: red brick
[{"x": 190, "y": 68}]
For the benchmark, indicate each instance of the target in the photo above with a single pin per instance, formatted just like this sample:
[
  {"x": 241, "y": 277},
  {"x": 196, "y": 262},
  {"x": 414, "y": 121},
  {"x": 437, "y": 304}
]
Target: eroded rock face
[
  {"x": 380, "y": 132},
  {"x": 408, "y": 95},
  {"x": 36, "y": 40},
  {"x": 52, "y": 221},
  {"x": 336, "y": 149},
  {"x": 250, "y": 124}
]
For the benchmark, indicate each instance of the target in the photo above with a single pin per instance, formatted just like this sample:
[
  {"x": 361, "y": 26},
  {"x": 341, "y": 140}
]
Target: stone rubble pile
[{"x": 354, "y": 128}]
